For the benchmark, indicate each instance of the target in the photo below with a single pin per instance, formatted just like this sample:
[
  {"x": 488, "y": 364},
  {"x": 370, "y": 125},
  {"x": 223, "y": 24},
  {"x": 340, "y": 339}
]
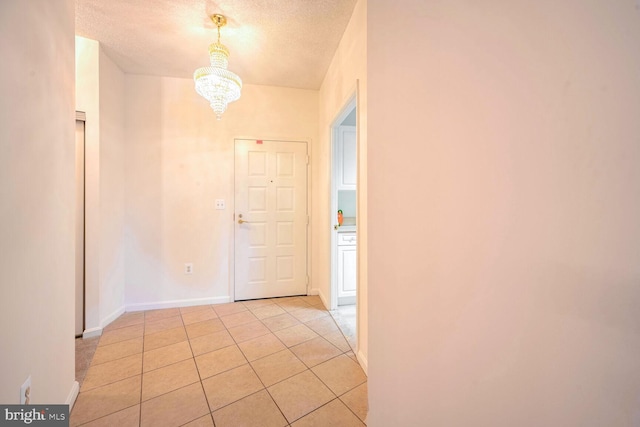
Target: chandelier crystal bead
[{"x": 215, "y": 83}]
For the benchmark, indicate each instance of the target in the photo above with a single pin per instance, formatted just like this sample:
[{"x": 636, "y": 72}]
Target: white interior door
[
  {"x": 270, "y": 219},
  {"x": 79, "y": 328}
]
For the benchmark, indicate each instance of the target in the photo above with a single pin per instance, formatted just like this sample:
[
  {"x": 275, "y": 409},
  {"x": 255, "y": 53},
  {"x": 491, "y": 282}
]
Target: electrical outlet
[
  {"x": 25, "y": 392},
  {"x": 220, "y": 204},
  {"x": 188, "y": 268}
]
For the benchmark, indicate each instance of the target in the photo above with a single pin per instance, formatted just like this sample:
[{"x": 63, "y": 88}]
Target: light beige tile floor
[
  {"x": 345, "y": 317},
  {"x": 272, "y": 362}
]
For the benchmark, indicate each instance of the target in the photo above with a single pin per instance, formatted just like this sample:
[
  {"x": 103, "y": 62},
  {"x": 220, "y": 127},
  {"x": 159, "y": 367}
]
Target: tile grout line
[
  {"x": 327, "y": 386},
  {"x": 263, "y": 384},
  {"x": 142, "y": 367},
  {"x": 243, "y": 355},
  {"x": 335, "y": 394},
  {"x": 104, "y": 416},
  {"x": 310, "y": 370},
  {"x": 254, "y": 371},
  {"x": 193, "y": 357},
  {"x": 348, "y": 407},
  {"x": 92, "y": 364},
  {"x": 343, "y": 335},
  {"x": 227, "y": 370},
  {"x": 237, "y": 345},
  {"x": 95, "y": 388},
  {"x": 141, "y": 375}
]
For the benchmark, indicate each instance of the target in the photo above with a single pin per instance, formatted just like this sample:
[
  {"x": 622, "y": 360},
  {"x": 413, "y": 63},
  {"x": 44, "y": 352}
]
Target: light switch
[{"x": 219, "y": 204}]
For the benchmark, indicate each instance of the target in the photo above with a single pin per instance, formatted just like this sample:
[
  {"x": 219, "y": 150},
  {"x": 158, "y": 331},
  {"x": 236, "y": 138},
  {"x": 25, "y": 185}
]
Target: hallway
[{"x": 273, "y": 362}]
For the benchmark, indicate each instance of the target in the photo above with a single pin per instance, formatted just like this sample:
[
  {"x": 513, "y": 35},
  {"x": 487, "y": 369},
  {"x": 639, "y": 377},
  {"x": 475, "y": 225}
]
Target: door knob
[{"x": 242, "y": 221}]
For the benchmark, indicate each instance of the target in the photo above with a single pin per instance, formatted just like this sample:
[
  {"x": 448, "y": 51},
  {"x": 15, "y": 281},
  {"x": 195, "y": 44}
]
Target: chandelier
[{"x": 215, "y": 83}]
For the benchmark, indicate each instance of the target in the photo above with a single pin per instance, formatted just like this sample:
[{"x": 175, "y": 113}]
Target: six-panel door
[{"x": 270, "y": 219}]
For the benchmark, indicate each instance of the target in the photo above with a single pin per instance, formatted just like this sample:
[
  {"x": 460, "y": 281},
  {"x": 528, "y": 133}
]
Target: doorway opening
[
  {"x": 80, "y": 225},
  {"x": 344, "y": 240}
]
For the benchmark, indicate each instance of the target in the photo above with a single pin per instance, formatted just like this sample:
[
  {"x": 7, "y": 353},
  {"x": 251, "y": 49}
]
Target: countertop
[{"x": 346, "y": 228}]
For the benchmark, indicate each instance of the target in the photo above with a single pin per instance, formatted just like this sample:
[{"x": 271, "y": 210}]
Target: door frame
[
  {"x": 232, "y": 212},
  {"x": 81, "y": 116},
  {"x": 349, "y": 105}
]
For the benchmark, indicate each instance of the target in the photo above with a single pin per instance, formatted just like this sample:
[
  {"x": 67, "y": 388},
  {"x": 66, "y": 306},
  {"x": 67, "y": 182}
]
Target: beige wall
[
  {"x": 87, "y": 67},
  {"x": 179, "y": 160},
  {"x": 100, "y": 94},
  {"x": 112, "y": 190},
  {"x": 37, "y": 199},
  {"x": 347, "y": 72},
  {"x": 504, "y": 197}
]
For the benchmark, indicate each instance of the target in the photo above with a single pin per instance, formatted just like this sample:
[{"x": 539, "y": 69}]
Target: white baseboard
[
  {"x": 177, "y": 303},
  {"x": 113, "y": 316},
  {"x": 73, "y": 395},
  {"x": 97, "y": 331},
  {"x": 324, "y": 300},
  {"x": 313, "y": 291},
  {"x": 90, "y": 333},
  {"x": 363, "y": 362}
]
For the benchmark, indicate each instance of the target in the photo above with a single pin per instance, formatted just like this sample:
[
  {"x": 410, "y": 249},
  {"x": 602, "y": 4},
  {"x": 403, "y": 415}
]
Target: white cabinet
[
  {"x": 347, "y": 268},
  {"x": 346, "y": 158}
]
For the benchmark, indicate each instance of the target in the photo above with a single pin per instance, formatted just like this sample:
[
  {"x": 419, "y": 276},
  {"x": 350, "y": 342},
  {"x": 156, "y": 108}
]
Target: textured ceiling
[{"x": 272, "y": 42}]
